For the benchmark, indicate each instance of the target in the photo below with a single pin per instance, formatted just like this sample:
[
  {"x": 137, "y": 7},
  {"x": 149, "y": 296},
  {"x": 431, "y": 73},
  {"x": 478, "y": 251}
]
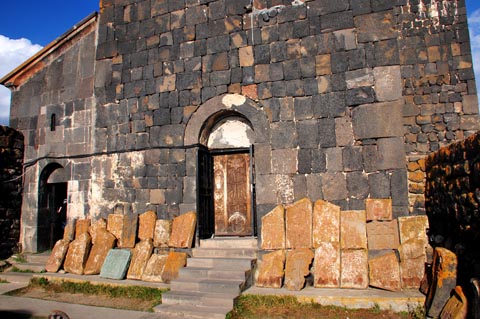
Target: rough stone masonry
[{"x": 345, "y": 98}]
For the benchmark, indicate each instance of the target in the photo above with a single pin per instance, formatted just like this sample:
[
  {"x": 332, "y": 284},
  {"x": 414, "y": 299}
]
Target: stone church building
[{"x": 231, "y": 107}]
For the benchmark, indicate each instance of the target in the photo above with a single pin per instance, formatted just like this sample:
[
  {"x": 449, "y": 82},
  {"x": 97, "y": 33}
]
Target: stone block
[
  {"x": 77, "y": 254},
  {"x": 115, "y": 224},
  {"x": 382, "y": 235},
  {"x": 104, "y": 242},
  {"x": 354, "y": 269},
  {"x": 326, "y": 223},
  {"x": 384, "y": 272},
  {"x": 297, "y": 267},
  {"x": 154, "y": 268},
  {"x": 273, "y": 229},
  {"x": 298, "y": 220},
  {"x": 287, "y": 161},
  {"x": 146, "y": 225},
  {"x": 69, "y": 231},
  {"x": 56, "y": 258},
  {"x": 388, "y": 83},
  {"x": 444, "y": 281},
  {"x": 161, "y": 237},
  {"x": 81, "y": 227},
  {"x": 334, "y": 186},
  {"x": 326, "y": 267},
  {"x": 412, "y": 228},
  {"x": 175, "y": 261},
  {"x": 456, "y": 307},
  {"x": 124, "y": 228},
  {"x": 353, "y": 229},
  {"x": 378, "y": 209},
  {"x": 271, "y": 270},
  {"x": 378, "y": 120},
  {"x": 116, "y": 264},
  {"x": 376, "y": 26},
  {"x": 141, "y": 254},
  {"x": 96, "y": 227},
  {"x": 183, "y": 230}
]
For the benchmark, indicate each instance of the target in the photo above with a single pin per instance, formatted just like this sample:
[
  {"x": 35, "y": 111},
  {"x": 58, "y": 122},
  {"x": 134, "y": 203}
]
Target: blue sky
[{"x": 28, "y": 25}]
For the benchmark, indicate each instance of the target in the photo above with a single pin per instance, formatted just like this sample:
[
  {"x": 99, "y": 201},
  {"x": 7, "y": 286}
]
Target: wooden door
[{"x": 232, "y": 195}]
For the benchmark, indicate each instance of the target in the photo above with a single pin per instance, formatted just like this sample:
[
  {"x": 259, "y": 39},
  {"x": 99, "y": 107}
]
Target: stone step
[
  {"x": 33, "y": 267},
  {"x": 213, "y": 273},
  {"x": 209, "y": 299},
  {"x": 16, "y": 277},
  {"x": 191, "y": 311},
  {"x": 37, "y": 258},
  {"x": 221, "y": 263},
  {"x": 225, "y": 253},
  {"x": 230, "y": 242},
  {"x": 208, "y": 285}
]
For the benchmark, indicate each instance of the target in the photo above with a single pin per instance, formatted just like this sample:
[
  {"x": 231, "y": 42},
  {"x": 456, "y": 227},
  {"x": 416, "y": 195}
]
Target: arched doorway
[{"x": 52, "y": 206}]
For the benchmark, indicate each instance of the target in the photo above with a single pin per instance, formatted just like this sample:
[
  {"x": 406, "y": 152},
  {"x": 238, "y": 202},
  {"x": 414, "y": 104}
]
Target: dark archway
[{"x": 52, "y": 206}]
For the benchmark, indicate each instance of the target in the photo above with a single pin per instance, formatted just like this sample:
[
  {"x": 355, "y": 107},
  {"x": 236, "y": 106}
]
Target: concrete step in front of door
[
  {"x": 225, "y": 253},
  {"x": 208, "y": 285},
  {"x": 221, "y": 263},
  {"x": 230, "y": 242},
  {"x": 210, "y": 299},
  {"x": 191, "y": 311},
  {"x": 214, "y": 273}
]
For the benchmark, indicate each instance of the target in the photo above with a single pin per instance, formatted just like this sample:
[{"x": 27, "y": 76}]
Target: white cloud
[
  {"x": 474, "y": 26},
  {"x": 13, "y": 52}
]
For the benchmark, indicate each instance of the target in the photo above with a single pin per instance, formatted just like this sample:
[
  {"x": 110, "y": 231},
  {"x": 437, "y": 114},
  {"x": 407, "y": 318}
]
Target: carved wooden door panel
[{"x": 232, "y": 195}]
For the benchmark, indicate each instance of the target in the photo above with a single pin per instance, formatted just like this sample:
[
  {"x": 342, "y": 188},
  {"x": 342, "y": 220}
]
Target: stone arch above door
[{"x": 223, "y": 106}]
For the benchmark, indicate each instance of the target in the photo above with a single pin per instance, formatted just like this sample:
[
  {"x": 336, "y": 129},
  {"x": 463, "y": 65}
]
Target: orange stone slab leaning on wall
[
  {"x": 271, "y": 270},
  {"x": 326, "y": 223},
  {"x": 146, "y": 225},
  {"x": 297, "y": 267},
  {"x": 383, "y": 235},
  {"x": 385, "y": 272},
  {"x": 56, "y": 258},
  {"x": 69, "y": 231},
  {"x": 141, "y": 254},
  {"x": 379, "y": 209},
  {"x": 298, "y": 220},
  {"x": 154, "y": 268},
  {"x": 174, "y": 262},
  {"x": 103, "y": 243},
  {"x": 81, "y": 227},
  {"x": 273, "y": 229},
  {"x": 183, "y": 230},
  {"x": 77, "y": 254},
  {"x": 354, "y": 269},
  {"x": 161, "y": 236},
  {"x": 95, "y": 227},
  {"x": 124, "y": 228},
  {"x": 353, "y": 230},
  {"x": 326, "y": 266}
]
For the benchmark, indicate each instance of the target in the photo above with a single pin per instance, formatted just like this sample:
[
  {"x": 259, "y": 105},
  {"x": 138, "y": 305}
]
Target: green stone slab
[{"x": 116, "y": 264}]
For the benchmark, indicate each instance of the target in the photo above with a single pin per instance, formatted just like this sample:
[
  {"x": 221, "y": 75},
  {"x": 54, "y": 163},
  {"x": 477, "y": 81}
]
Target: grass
[
  {"x": 16, "y": 269},
  {"x": 20, "y": 258},
  {"x": 3, "y": 281}
]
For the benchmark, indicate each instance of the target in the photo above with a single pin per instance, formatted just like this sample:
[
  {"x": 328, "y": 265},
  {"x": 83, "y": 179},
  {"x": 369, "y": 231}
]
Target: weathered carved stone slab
[
  {"x": 271, "y": 270},
  {"x": 353, "y": 230},
  {"x": 379, "y": 209},
  {"x": 56, "y": 258},
  {"x": 124, "y": 228},
  {"x": 444, "y": 281},
  {"x": 81, "y": 227},
  {"x": 141, "y": 254},
  {"x": 298, "y": 219},
  {"x": 385, "y": 272},
  {"x": 456, "y": 307},
  {"x": 273, "y": 229},
  {"x": 104, "y": 242},
  {"x": 383, "y": 235},
  {"x": 154, "y": 269},
  {"x": 412, "y": 249},
  {"x": 116, "y": 264},
  {"x": 413, "y": 227},
  {"x": 69, "y": 231},
  {"x": 161, "y": 237},
  {"x": 183, "y": 230},
  {"x": 354, "y": 269},
  {"x": 297, "y": 267},
  {"x": 146, "y": 227},
  {"x": 97, "y": 226},
  {"x": 326, "y": 223},
  {"x": 412, "y": 263},
  {"x": 77, "y": 254},
  {"x": 326, "y": 267},
  {"x": 175, "y": 261}
]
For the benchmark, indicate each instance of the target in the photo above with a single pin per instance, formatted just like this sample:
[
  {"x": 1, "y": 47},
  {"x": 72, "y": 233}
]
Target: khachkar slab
[
  {"x": 271, "y": 270},
  {"x": 124, "y": 228},
  {"x": 104, "y": 242},
  {"x": 383, "y": 235},
  {"x": 116, "y": 264},
  {"x": 154, "y": 269},
  {"x": 183, "y": 230},
  {"x": 298, "y": 221},
  {"x": 413, "y": 228},
  {"x": 69, "y": 231},
  {"x": 273, "y": 229},
  {"x": 444, "y": 281},
  {"x": 384, "y": 272},
  {"x": 326, "y": 223},
  {"x": 456, "y": 307},
  {"x": 412, "y": 262},
  {"x": 56, "y": 258},
  {"x": 81, "y": 227},
  {"x": 297, "y": 267},
  {"x": 77, "y": 254},
  {"x": 326, "y": 266},
  {"x": 379, "y": 209},
  {"x": 146, "y": 225},
  {"x": 141, "y": 254},
  {"x": 353, "y": 229},
  {"x": 175, "y": 261},
  {"x": 354, "y": 269},
  {"x": 97, "y": 226},
  {"x": 161, "y": 237}
]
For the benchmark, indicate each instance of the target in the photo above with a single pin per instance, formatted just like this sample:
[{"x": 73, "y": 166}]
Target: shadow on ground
[{"x": 15, "y": 315}]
